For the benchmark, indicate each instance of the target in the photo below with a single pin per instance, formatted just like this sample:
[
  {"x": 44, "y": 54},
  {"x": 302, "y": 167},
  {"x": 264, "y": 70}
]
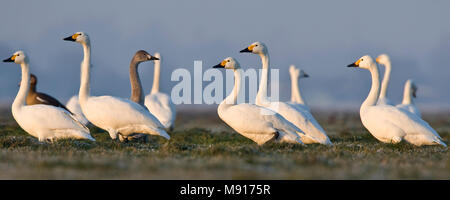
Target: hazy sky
[{"x": 321, "y": 37}]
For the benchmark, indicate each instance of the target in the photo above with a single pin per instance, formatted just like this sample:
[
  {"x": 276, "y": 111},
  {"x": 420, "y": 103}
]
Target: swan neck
[
  {"x": 261, "y": 97},
  {"x": 136, "y": 86},
  {"x": 20, "y": 99},
  {"x": 407, "y": 94},
  {"x": 386, "y": 77},
  {"x": 375, "y": 89},
  {"x": 296, "y": 96},
  {"x": 231, "y": 99},
  {"x": 84, "y": 92},
  {"x": 156, "y": 75}
]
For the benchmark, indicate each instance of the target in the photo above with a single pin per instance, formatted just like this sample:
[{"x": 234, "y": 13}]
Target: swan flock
[{"x": 267, "y": 120}]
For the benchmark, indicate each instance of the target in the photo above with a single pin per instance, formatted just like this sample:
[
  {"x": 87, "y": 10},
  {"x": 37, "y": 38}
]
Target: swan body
[
  {"x": 45, "y": 122},
  {"x": 408, "y": 93},
  {"x": 388, "y": 123},
  {"x": 254, "y": 122},
  {"x": 75, "y": 108},
  {"x": 120, "y": 117},
  {"x": 296, "y": 97},
  {"x": 158, "y": 103},
  {"x": 300, "y": 118},
  {"x": 384, "y": 60}
]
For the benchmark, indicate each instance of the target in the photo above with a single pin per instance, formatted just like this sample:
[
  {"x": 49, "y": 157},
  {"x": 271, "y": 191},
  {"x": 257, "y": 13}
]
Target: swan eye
[
  {"x": 228, "y": 60},
  {"x": 256, "y": 45},
  {"x": 362, "y": 59}
]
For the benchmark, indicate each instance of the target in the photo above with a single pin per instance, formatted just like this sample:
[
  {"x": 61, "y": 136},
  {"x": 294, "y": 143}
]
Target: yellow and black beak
[
  {"x": 10, "y": 59},
  {"x": 72, "y": 38},
  {"x": 355, "y": 64},
  {"x": 220, "y": 65},
  {"x": 249, "y": 49}
]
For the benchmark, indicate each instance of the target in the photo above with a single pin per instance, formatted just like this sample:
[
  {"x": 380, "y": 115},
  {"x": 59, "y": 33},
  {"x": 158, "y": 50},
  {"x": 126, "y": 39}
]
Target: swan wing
[
  {"x": 160, "y": 105},
  {"x": 50, "y": 117},
  {"x": 113, "y": 112},
  {"x": 411, "y": 124}
]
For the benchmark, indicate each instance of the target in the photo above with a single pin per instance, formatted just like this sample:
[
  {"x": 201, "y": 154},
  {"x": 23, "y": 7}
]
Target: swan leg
[
  {"x": 112, "y": 133},
  {"x": 123, "y": 139}
]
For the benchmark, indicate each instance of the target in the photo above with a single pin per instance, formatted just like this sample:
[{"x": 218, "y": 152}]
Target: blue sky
[{"x": 321, "y": 37}]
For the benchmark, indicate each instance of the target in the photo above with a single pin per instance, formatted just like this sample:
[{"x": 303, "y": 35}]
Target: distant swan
[
  {"x": 252, "y": 121},
  {"x": 296, "y": 97},
  {"x": 158, "y": 103},
  {"x": 35, "y": 97},
  {"x": 390, "y": 124},
  {"x": 40, "y": 120},
  {"x": 303, "y": 120},
  {"x": 120, "y": 117},
  {"x": 408, "y": 93},
  {"x": 384, "y": 60}
]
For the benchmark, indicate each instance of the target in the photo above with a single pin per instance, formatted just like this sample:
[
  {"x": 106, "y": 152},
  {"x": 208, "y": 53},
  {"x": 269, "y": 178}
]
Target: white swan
[
  {"x": 253, "y": 121},
  {"x": 296, "y": 97},
  {"x": 387, "y": 123},
  {"x": 303, "y": 120},
  {"x": 408, "y": 93},
  {"x": 158, "y": 103},
  {"x": 120, "y": 117},
  {"x": 75, "y": 108},
  {"x": 384, "y": 60},
  {"x": 43, "y": 121}
]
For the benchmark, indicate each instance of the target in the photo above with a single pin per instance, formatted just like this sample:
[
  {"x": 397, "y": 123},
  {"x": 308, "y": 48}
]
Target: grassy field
[{"x": 203, "y": 147}]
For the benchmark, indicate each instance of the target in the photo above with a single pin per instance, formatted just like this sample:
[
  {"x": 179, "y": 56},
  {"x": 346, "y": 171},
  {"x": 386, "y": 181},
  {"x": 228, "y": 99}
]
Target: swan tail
[{"x": 440, "y": 143}]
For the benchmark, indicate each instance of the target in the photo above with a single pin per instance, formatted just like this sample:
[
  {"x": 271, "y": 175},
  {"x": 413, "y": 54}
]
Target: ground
[{"x": 203, "y": 147}]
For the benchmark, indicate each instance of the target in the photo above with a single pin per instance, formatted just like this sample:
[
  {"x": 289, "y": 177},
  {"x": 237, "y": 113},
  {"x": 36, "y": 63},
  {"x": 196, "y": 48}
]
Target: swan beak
[
  {"x": 218, "y": 66},
  {"x": 414, "y": 94},
  {"x": 352, "y": 65},
  {"x": 10, "y": 59},
  {"x": 378, "y": 60},
  {"x": 153, "y": 58},
  {"x": 246, "y": 50},
  {"x": 72, "y": 38},
  {"x": 305, "y": 75}
]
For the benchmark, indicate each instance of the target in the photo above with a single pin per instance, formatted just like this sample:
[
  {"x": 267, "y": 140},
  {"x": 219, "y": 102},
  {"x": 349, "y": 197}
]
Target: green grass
[{"x": 202, "y": 147}]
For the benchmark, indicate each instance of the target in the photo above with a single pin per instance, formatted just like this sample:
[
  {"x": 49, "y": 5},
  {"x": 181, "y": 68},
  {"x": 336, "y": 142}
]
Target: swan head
[
  {"x": 79, "y": 37},
  {"x": 364, "y": 62},
  {"x": 142, "y": 56},
  {"x": 228, "y": 63},
  {"x": 410, "y": 83},
  {"x": 383, "y": 59},
  {"x": 297, "y": 72},
  {"x": 256, "y": 48},
  {"x": 18, "y": 57}
]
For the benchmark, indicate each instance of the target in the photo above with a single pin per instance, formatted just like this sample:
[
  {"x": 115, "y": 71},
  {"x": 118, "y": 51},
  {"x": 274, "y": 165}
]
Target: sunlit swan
[
  {"x": 408, "y": 93},
  {"x": 303, "y": 120},
  {"x": 384, "y": 60},
  {"x": 388, "y": 123},
  {"x": 75, "y": 108},
  {"x": 43, "y": 121},
  {"x": 158, "y": 103},
  {"x": 296, "y": 97},
  {"x": 120, "y": 117},
  {"x": 252, "y": 121},
  {"x": 35, "y": 97}
]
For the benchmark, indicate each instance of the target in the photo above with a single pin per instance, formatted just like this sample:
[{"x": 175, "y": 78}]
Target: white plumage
[
  {"x": 45, "y": 122},
  {"x": 158, "y": 103},
  {"x": 120, "y": 117},
  {"x": 390, "y": 124},
  {"x": 408, "y": 93},
  {"x": 384, "y": 60},
  {"x": 300, "y": 118},
  {"x": 254, "y": 122},
  {"x": 75, "y": 108}
]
